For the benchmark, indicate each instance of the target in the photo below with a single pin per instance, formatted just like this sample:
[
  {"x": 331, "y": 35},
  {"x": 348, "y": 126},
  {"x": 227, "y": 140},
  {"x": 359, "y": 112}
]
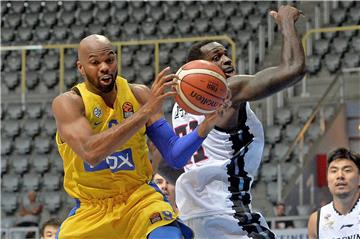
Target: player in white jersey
[
  {"x": 213, "y": 194},
  {"x": 340, "y": 218}
]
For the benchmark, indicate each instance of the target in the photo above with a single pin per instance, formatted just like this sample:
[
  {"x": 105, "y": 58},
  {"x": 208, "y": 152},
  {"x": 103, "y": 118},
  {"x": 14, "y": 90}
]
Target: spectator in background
[
  {"x": 168, "y": 189},
  {"x": 30, "y": 210},
  {"x": 49, "y": 229},
  {"x": 280, "y": 211}
]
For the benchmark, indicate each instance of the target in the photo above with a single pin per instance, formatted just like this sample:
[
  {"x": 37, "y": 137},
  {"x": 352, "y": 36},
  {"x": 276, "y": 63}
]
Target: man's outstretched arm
[{"x": 274, "y": 79}]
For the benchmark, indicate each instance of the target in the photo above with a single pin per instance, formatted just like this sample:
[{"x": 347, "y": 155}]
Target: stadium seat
[
  {"x": 270, "y": 192},
  {"x": 219, "y": 24},
  {"x": 254, "y": 21},
  {"x": 32, "y": 79},
  {"x": 60, "y": 33},
  {"x": 236, "y": 22},
  {"x": 313, "y": 64},
  {"x": 13, "y": 20},
  {"x": 20, "y": 163},
  {"x": 321, "y": 47},
  {"x": 42, "y": 33},
  {"x": 130, "y": 29},
  {"x": 201, "y": 25},
  {"x": 146, "y": 75},
  {"x": 246, "y": 8},
  {"x": 192, "y": 11},
  {"x": 30, "y": 20},
  {"x": 9, "y": 202},
  {"x": 34, "y": 7},
  {"x": 304, "y": 113},
  {"x": 69, "y": 5},
  {"x": 351, "y": 59},
  {"x": 148, "y": 27},
  {"x": 86, "y": 5},
  {"x": 18, "y": 6},
  {"x": 77, "y": 33},
  {"x": 66, "y": 18},
  {"x": 23, "y": 145},
  {"x": 33, "y": 62},
  {"x": 42, "y": 145},
  {"x": 166, "y": 27},
  {"x": 15, "y": 110},
  {"x": 173, "y": 12},
  {"x": 50, "y": 78},
  {"x": 11, "y": 128},
  {"x": 49, "y": 127},
  {"x": 273, "y": 134},
  {"x": 6, "y": 146},
  {"x": 210, "y": 9},
  {"x": 244, "y": 36},
  {"x": 264, "y": 7},
  {"x": 70, "y": 77},
  {"x": 31, "y": 182},
  {"x": 184, "y": 26},
  {"x": 313, "y": 132},
  {"x": 340, "y": 44},
  {"x": 49, "y": 18},
  {"x": 280, "y": 150},
  {"x": 57, "y": 163},
  {"x": 283, "y": 116},
  {"x": 11, "y": 79},
  {"x": 95, "y": 28},
  {"x": 355, "y": 43},
  {"x": 267, "y": 153},
  {"x": 51, "y": 6},
  {"x": 13, "y": 61},
  {"x": 10, "y": 183},
  {"x": 7, "y": 35},
  {"x": 268, "y": 172},
  {"x": 338, "y": 16},
  {"x": 34, "y": 110},
  {"x": 144, "y": 57},
  {"x": 31, "y": 127},
  {"x": 139, "y": 14},
  {"x": 129, "y": 74},
  {"x": 4, "y": 165},
  {"x": 40, "y": 163},
  {"x": 102, "y": 18},
  {"x": 85, "y": 17},
  {"x": 119, "y": 4},
  {"x": 103, "y": 5},
  {"x": 51, "y": 61},
  {"x": 51, "y": 181},
  {"x": 288, "y": 170},
  {"x": 291, "y": 132},
  {"x": 155, "y": 12},
  {"x": 332, "y": 62},
  {"x": 52, "y": 201},
  {"x": 354, "y": 15},
  {"x": 229, "y": 10}
]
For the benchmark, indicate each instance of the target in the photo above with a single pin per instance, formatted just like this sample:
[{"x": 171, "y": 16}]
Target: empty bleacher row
[{"x": 334, "y": 50}]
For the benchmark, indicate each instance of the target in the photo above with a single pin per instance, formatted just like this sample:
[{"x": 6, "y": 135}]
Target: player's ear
[{"x": 80, "y": 68}]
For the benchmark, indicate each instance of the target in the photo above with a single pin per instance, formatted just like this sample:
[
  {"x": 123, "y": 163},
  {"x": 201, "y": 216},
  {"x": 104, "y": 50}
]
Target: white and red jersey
[{"x": 218, "y": 178}]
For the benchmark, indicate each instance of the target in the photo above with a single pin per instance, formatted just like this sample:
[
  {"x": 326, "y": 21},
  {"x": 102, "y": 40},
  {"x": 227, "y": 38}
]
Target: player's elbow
[{"x": 91, "y": 158}]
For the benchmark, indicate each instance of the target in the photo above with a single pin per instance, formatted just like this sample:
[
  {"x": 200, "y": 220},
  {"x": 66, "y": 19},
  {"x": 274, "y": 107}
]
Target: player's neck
[{"x": 344, "y": 205}]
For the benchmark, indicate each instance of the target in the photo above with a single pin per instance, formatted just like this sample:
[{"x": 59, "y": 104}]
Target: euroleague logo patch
[
  {"x": 128, "y": 109},
  {"x": 155, "y": 217}
]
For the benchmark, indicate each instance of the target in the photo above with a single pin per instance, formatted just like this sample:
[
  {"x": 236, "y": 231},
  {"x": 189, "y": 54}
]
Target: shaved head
[
  {"x": 92, "y": 43},
  {"x": 97, "y": 63}
]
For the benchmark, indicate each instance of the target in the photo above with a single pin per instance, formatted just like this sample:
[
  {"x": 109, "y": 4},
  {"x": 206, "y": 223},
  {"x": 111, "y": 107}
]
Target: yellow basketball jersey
[{"x": 123, "y": 171}]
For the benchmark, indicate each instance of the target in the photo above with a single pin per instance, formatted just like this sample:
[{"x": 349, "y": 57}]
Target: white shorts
[
  {"x": 223, "y": 226},
  {"x": 216, "y": 226}
]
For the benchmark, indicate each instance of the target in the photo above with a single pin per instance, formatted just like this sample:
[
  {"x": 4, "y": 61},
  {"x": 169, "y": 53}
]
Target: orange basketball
[{"x": 202, "y": 87}]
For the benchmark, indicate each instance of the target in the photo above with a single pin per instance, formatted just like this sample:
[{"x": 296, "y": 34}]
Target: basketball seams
[{"x": 215, "y": 96}]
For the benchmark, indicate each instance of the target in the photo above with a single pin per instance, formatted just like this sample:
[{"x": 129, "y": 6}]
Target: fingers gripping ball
[{"x": 202, "y": 87}]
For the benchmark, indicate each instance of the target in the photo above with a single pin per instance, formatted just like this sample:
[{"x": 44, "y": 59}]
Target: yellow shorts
[{"x": 118, "y": 217}]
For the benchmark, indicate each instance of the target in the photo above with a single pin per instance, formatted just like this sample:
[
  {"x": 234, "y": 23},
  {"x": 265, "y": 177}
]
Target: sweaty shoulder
[
  {"x": 141, "y": 92},
  {"x": 69, "y": 99}
]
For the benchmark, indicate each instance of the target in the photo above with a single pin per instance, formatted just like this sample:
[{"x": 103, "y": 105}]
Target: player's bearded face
[{"x": 104, "y": 83}]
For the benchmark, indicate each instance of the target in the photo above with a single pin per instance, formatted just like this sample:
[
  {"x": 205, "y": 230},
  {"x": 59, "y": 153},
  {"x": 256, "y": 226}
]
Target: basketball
[{"x": 202, "y": 87}]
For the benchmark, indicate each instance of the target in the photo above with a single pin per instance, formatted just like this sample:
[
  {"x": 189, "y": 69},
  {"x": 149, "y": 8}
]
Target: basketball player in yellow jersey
[{"x": 102, "y": 125}]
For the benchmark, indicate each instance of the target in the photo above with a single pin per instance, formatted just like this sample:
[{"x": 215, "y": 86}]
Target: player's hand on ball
[{"x": 162, "y": 88}]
